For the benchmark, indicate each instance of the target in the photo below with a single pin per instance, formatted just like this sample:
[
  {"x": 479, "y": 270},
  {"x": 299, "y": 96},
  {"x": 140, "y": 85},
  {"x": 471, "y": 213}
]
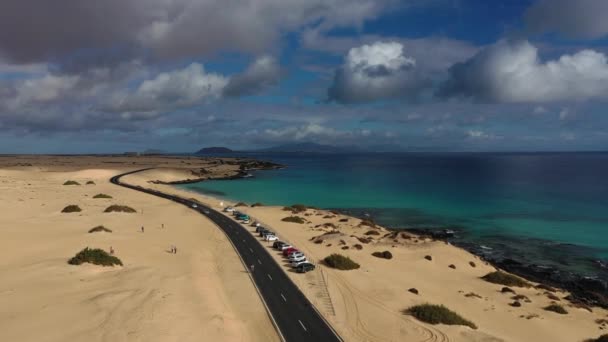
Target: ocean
[{"x": 549, "y": 210}]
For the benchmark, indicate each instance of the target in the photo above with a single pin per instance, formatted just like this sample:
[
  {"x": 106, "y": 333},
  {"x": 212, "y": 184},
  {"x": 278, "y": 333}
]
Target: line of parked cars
[
  {"x": 295, "y": 257},
  {"x": 244, "y": 218}
]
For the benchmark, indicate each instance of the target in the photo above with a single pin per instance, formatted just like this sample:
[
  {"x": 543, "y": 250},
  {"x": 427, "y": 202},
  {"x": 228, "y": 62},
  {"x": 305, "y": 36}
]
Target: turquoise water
[{"x": 539, "y": 203}]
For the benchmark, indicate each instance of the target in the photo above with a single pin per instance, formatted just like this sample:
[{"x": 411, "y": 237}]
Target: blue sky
[{"x": 410, "y": 75}]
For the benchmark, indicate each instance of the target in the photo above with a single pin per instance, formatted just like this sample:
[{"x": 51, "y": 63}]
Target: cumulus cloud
[
  {"x": 377, "y": 71},
  {"x": 38, "y": 30},
  {"x": 511, "y": 71},
  {"x": 172, "y": 89},
  {"x": 571, "y": 18},
  {"x": 263, "y": 73}
]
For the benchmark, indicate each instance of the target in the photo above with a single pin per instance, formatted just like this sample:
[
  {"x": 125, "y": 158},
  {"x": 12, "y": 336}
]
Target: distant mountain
[
  {"x": 309, "y": 147},
  {"x": 214, "y": 150}
]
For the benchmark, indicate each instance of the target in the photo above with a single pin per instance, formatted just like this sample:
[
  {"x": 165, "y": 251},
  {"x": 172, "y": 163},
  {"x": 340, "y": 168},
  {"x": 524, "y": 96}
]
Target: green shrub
[
  {"x": 556, "y": 308},
  {"x": 438, "y": 314},
  {"x": 603, "y": 338},
  {"x": 298, "y": 208},
  {"x": 294, "y": 219},
  {"x": 71, "y": 182},
  {"x": 94, "y": 256},
  {"x": 100, "y": 229},
  {"x": 383, "y": 255},
  {"x": 71, "y": 209},
  {"x": 90, "y": 183},
  {"x": 372, "y": 232},
  {"x": 257, "y": 204},
  {"x": 341, "y": 262},
  {"x": 368, "y": 223},
  {"x": 119, "y": 209},
  {"x": 503, "y": 278},
  {"x": 102, "y": 196},
  {"x": 241, "y": 204}
]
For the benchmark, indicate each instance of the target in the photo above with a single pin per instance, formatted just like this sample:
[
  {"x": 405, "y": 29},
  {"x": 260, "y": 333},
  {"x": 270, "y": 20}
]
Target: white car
[
  {"x": 194, "y": 206},
  {"x": 229, "y": 209},
  {"x": 271, "y": 238},
  {"x": 245, "y": 221},
  {"x": 297, "y": 263},
  {"x": 294, "y": 256},
  {"x": 298, "y": 259}
]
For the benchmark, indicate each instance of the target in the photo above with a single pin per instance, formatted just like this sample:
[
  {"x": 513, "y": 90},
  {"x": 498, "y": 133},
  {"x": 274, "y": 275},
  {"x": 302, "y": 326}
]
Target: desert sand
[
  {"x": 202, "y": 293},
  {"x": 367, "y": 304}
]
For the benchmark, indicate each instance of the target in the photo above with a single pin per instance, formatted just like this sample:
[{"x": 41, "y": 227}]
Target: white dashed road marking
[
  {"x": 269, "y": 276},
  {"x": 259, "y": 262},
  {"x": 283, "y": 297},
  {"x": 302, "y": 324}
]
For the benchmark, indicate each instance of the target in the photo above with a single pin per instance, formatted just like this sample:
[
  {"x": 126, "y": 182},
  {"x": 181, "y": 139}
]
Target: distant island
[
  {"x": 309, "y": 147},
  {"x": 214, "y": 150}
]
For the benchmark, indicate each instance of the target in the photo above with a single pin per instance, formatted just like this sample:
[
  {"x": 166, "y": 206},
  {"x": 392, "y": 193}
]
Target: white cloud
[
  {"x": 572, "y": 18},
  {"x": 263, "y": 73},
  {"x": 513, "y": 72},
  {"x": 377, "y": 71},
  {"x": 172, "y": 89}
]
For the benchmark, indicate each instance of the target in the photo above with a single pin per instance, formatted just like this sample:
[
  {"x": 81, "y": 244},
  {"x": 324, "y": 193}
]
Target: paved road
[{"x": 294, "y": 315}]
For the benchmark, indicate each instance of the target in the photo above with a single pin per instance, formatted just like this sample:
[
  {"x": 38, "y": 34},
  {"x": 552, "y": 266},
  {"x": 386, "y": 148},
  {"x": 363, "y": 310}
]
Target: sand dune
[{"x": 201, "y": 293}]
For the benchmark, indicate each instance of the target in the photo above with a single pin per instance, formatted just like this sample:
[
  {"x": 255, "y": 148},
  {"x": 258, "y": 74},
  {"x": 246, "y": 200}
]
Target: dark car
[
  {"x": 279, "y": 244},
  {"x": 258, "y": 228},
  {"x": 305, "y": 267},
  {"x": 262, "y": 231}
]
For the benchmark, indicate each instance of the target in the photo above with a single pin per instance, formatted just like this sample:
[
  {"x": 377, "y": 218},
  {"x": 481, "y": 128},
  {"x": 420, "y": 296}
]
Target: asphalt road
[{"x": 294, "y": 315}]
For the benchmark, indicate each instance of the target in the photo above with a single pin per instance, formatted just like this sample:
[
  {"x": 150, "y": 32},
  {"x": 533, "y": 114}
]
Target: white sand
[{"x": 200, "y": 294}]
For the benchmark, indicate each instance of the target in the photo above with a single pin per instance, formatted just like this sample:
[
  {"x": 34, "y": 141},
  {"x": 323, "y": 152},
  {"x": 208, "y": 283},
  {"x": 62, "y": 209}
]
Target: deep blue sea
[{"x": 543, "y": 208}]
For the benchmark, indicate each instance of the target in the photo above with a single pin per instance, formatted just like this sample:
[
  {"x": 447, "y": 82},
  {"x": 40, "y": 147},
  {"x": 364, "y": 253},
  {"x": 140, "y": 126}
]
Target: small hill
[{"x": 214, "y": 150}]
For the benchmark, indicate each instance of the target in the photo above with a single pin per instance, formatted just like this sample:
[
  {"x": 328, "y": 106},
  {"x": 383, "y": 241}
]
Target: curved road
[{"x": 293, "y": 314}]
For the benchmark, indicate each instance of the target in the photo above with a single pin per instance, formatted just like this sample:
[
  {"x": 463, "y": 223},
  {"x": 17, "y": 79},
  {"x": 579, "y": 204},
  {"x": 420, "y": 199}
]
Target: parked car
[
  {"x": 245, "y": 221},
  {"x": 286, "y": 251},
  {"x": 295, "y": 264},
  {"x": 295, "y": 255},
  {"x": 278, "y": 244},
  {"x": 229, "y": 209},
  {"x": 262, "y": 231},
  {"x": 268, "y": 232},
  {"x": 284, "y": 247},
  {"x": 305, "y": 267},
  {"x": 271, "y": 237},
  {"x": 291, "y": 252},
  {"x": 298, "y": 259}
]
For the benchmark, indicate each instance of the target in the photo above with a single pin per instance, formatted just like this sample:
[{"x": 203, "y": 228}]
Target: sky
[{"x": 380, "y": 75}]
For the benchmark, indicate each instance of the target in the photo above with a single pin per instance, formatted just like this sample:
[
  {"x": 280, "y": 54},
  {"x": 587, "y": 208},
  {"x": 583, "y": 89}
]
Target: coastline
[
  {"x": 341, "y": 285},
  {"x": 364, "y": 304}
]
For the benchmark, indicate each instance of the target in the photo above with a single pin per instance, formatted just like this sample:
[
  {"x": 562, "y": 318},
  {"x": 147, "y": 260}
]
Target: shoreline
[{"x": 585, "y": 290}]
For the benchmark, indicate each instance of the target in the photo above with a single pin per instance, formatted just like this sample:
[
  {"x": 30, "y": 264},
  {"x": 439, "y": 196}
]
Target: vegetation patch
[
  {"x": 343, "y": 220},
  {"x": 503, "y": 278},
  {"x": 522, "y": 297},
  {"x": 345, "y": 247},
  {"x": 102, "y": 196},
  {"x": 94, "y": 256},
  {"x": 452, "y": 266},
  {"x": 364, "y": 240},
  {"x": 341, "y": 262},
  {"x": 472, "y": 264},
  {"x": 100, "y": 229},
  {"x": 552, "y": 296},
  {"x": 413, "y": 290},
  {"x": 357, "y": 246},
  {"x": 472, "y": 295},
  {"x": 119, "y": 209},
  {"x": 71, "y": 182},
  {"x": 545, "y": 287},
  {"x": 90, "y": 183},
  {"x": 603, "y": 338},
  {"x": 241, "y": 204},
  {"x": 383, "y": 255},
  {"x": 71, "y": 209},
  {"x": 257, "y": 204},
  {"x": 368, "y": 223},
  {"x": 438, "y": 314},
  {"x": 372, "y": 232},
  {"x": 319, "y": 241},
  {"x": 428, "y": 257},
  {"x": 294, "y": 219},
  {"x": 507, "y": 289},
  {"x": 556, "y": 308}
]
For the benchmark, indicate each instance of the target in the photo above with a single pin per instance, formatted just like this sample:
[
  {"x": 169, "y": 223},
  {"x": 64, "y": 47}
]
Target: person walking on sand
[
  {"x": 162, "y": 226},
  {"x": 142, "y": 229},
  {"x": 111, "y": 250}
]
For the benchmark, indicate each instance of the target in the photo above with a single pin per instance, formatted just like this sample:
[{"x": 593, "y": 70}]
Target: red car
[{"x": 288, "y": 251}]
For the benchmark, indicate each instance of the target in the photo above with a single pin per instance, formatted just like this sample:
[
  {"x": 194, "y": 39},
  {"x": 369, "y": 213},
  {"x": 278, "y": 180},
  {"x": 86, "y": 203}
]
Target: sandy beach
[
  {"x": 203, "y": 292},
  {"x": 200, "y": 293},
  {"x": 367, "y": 304}
]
